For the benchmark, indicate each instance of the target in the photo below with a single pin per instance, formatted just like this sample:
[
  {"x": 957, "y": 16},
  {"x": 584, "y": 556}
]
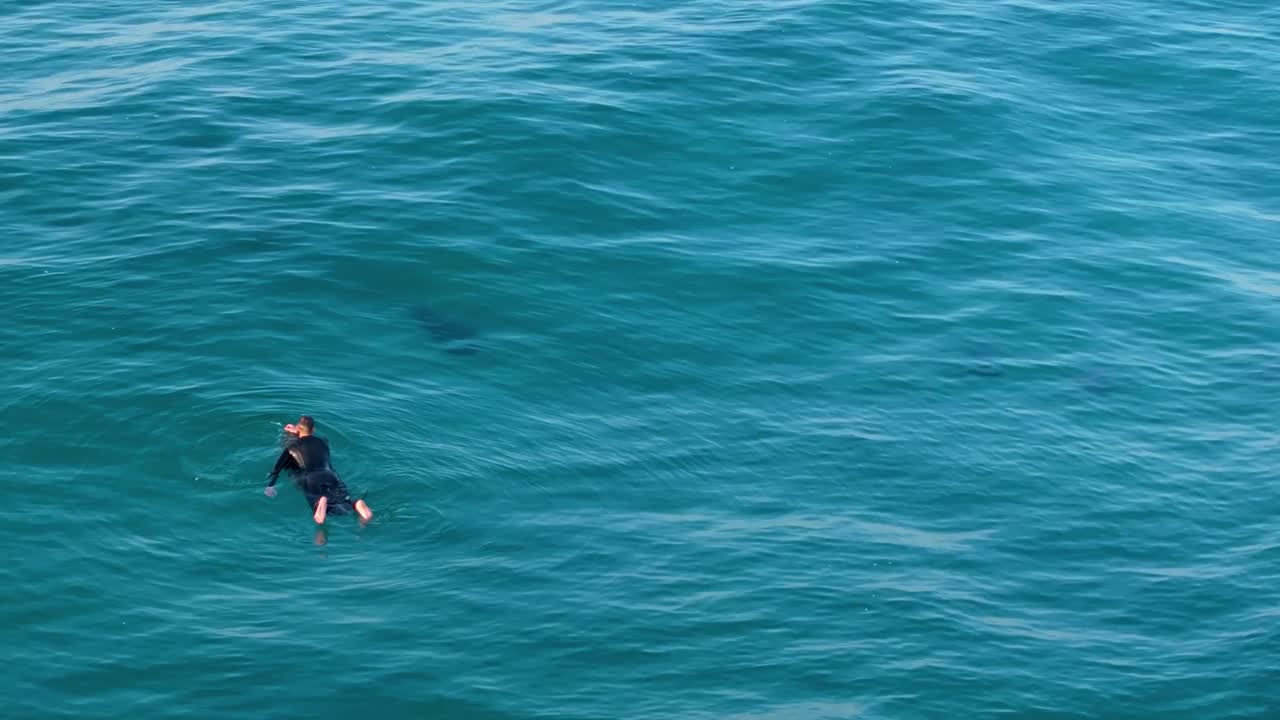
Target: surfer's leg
[
  {"x": 343, "y": 499},
  {"x": 326, "y": 484},
  {"x": 330, "y": 485},
  {"x": 312, "y": 485}
]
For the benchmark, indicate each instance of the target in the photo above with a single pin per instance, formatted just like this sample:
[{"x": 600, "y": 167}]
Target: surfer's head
[{"x": 306, "y": 426}]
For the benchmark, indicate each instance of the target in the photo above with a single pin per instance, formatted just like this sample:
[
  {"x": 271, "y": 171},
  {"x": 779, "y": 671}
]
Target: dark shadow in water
[
  {"x": 448, "y": 332},
  {"x": 983, "y": 360},
  {"x": 985, "y": 369},
  {"x": 988, "y": 360},
  {"x": 1097, "y": 382}
]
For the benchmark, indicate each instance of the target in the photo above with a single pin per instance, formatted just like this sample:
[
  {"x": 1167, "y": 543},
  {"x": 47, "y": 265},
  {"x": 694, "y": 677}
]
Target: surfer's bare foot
[{"x": 322, "y": 509}]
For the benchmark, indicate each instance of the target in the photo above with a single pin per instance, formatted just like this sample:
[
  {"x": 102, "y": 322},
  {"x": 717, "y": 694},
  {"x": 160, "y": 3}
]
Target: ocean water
[{"x": 700, "y": 360}]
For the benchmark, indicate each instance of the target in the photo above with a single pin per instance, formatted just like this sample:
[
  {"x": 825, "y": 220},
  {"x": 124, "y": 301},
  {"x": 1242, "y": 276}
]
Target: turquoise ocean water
[{"x": 701, "y": 360}]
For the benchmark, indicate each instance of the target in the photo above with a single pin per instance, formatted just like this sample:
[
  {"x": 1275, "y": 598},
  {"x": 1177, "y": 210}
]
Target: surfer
[{"x": 307, "y": 457}]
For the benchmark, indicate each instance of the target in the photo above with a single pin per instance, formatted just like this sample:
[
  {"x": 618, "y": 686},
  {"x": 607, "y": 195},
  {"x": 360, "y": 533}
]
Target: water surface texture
[{"x": 701, "y": 360}]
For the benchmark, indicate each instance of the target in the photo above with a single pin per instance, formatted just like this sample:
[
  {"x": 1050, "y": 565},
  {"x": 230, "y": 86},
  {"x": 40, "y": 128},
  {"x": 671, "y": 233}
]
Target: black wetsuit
[{"x": 308, "y": 459}]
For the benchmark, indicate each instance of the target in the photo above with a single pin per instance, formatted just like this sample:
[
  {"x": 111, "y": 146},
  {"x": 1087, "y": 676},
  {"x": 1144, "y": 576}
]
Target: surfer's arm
[{"x": 284, "y": 461}]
